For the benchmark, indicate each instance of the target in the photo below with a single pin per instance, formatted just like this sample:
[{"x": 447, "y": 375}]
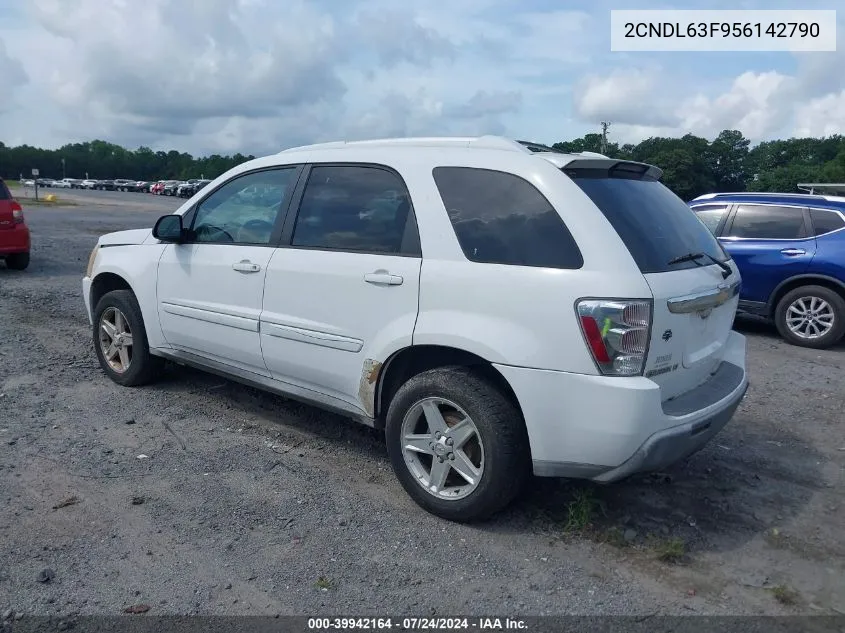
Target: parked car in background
[
  {"x": 105, "y": 185},
  {"x": 170, "y": 187},
  {"x": 68, "y": 183},
  {"x": 790, "y": 250},
  {"x": 14, "y": 233},
  {"x": 28, "y": 182},
  {"x": 612, "y": 354},
  {"x": 45, "y": 182},
  {"x": 142, "y": 186},
  {"x": 122, "y": 184},
  {"x": 188, "y": 189},
  {"x": 186, "y": 186},
  {"x": 89, "y": 183}
]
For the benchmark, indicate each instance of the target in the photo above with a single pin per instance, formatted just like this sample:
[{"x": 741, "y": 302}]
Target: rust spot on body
[{"x": 367, "y": 385}]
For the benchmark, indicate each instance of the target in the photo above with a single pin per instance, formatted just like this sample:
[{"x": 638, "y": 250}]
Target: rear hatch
[
  {"x": 695, "y": 284},
  {"x": 7, "y": 218}
]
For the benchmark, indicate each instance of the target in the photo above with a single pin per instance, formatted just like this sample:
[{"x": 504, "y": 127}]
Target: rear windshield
[
  {"x": 655, "y": 224},
  {"x": 4, "y": 193}
]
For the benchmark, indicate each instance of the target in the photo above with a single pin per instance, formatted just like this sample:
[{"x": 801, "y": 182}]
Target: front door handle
[
  {"x": 246, "y": 266},
  {"x": 792, "y": 252},
  {"x": 383, "y": 278}
]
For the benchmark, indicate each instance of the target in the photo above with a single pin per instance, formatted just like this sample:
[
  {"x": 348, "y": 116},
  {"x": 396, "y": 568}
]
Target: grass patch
[
  {"x": 12, "y": 183},
  {"x": 41, "y": 202},
  {"x": 785, "y": 595},
  {"x": 323, "y": 583},
  {"x": 670, "y": 551},
  {"x": 580, "y": 511},
  {"x": 613, "y": 536}
]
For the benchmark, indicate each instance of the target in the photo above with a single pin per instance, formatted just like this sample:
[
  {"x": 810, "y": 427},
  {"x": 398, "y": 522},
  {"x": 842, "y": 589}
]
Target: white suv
[{"x": 497, "y": 307}]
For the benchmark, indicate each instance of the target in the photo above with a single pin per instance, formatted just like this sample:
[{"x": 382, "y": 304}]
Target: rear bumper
[
  {"x": 15, "y": 240},
  {"x": 675, "y": 444},
  {"x": 605, "y": 429}
]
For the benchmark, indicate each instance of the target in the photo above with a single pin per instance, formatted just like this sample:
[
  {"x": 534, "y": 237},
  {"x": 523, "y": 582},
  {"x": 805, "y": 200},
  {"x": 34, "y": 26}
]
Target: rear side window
[
  {"x": 500, "y": 218},
  {"x": 711, "y": 215},
  {"x": 768, "y": 222},
  {"x": 825, "y": 221},
  {"x": 655, "y": 224},
  {"x": 4, "y": 192}
]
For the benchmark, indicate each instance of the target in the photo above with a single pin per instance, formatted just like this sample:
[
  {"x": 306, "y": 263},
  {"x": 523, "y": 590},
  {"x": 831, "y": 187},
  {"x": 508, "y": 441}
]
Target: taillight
[
  {"x": 617, "y": 333},
  {"x": 17, "y": 213}
]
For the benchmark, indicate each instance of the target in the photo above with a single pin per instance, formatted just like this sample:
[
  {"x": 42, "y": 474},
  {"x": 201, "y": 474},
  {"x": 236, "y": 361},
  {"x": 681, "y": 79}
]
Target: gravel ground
[{"x": 200, "y": 496}]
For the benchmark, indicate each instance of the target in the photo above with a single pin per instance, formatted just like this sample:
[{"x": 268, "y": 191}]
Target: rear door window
[
  {"x": 712, "y": 215},
  {"x": 500, "y": 218},
  {"x": 353, "y": 208},
  {"x": 4, "y": 192},
  {"x": 655, "y": 224},
  {"x": 768, "y": 222},
  {"x": 825, "y": 221}
]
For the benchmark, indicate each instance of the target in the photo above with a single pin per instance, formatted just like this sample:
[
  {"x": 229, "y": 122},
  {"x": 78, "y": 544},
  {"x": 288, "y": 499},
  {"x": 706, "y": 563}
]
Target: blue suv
[{"x": 790, "y": 251}]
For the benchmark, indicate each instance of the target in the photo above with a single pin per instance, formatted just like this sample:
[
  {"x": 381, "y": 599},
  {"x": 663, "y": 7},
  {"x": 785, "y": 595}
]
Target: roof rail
[
  {"x": 485, "y": 142},
  {"x": 753, "y": 194},
  {"x": 810, "y": 187}
]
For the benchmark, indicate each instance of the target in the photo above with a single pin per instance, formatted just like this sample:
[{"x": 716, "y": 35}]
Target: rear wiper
[{"x": 694, "y": 257}]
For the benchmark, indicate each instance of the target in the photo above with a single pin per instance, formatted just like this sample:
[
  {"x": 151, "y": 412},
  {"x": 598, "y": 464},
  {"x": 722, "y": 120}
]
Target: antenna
[{"x": 604, "y": 126}]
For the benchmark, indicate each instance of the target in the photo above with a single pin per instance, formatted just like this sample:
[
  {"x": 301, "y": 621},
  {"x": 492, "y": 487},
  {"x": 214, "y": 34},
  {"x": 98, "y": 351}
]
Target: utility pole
[{"x": 604, "y": 126}]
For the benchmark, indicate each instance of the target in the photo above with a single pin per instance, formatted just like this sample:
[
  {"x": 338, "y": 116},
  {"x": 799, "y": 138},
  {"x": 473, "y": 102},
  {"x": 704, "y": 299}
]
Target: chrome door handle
[
  {"x": 383, "y": 278},
  {"x": 246, "y": 266},
  {"x": 793, "y": 251}
]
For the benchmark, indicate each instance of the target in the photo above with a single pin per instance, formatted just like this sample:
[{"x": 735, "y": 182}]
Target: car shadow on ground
[
  {"x": 740, "y": 484},
  {"x": 732, "y": 491}
]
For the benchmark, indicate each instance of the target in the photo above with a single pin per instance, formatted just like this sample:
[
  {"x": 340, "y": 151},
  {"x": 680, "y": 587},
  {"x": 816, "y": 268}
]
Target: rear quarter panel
[
  {"x": 830, "y": 256},
  {"x": 514, "y": 315}
]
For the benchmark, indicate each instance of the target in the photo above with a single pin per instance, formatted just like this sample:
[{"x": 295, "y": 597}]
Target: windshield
[{"x": 655, "y": 224}]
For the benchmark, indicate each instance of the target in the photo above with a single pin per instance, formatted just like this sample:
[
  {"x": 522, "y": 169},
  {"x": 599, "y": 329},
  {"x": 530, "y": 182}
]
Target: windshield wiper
[{"x": 694, "y": 257}]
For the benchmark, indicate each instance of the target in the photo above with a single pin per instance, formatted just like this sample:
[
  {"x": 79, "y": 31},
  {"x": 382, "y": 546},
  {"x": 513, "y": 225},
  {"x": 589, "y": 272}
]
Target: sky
[{"x": 258, "y": 76}]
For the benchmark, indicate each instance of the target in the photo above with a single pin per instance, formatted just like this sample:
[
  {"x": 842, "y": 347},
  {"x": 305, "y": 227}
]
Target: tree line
[
  {"x": 691, "y": 165},
  {"x": 106, "y": 161}
]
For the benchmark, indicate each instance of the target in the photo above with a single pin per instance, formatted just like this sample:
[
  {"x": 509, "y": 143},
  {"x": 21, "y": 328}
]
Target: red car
[{"x": 14, "y": 234}]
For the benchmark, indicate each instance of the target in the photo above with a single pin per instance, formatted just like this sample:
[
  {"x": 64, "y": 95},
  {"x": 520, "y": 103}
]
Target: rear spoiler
[{"x": 614, "y": 167}]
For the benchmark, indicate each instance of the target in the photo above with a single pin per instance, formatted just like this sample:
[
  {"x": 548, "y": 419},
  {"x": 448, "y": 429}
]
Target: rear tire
[
  {"x": 18, "y": 261},
  {"x": 821, "y": 306},
  {"x": 498, "y": 450},
  {"x": 129, "y": 365}
]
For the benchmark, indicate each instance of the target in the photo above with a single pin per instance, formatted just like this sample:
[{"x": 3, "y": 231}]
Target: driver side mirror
[{"x": 168, "y": 228}]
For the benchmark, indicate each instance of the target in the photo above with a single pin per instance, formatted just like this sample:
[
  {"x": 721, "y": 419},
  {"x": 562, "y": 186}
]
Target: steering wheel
[
  {"x": 256, "y": 227},
  {"x": 211, "y": 233}
]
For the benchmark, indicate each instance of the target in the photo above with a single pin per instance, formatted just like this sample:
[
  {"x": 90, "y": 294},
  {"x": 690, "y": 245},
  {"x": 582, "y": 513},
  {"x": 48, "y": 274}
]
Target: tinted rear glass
[
  {"x": 500, "y": 218},
  {"x": 4, "y": 192},
  {"x": 655, "y": 224},
  {"x": 825, "y": 221}
]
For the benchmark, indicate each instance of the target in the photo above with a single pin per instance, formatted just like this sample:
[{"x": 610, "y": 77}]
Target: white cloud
[
  {"x": 628, "y": 96},
  {"x": 258, "y": 75},
  {"x": 822, "y": 117},
  {"x": 757, "y": 103}
]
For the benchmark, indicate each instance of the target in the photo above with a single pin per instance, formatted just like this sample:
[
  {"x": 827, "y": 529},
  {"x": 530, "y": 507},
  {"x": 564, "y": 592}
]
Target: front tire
[
  {"x": 120, "y": 340},
  {"x": 811, "y": 316},
  {"x": 457, "y": 444},
  {"x": 17, "y": 261}
]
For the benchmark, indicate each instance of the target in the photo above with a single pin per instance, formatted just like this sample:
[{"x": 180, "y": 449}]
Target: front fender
[{"x": 137, "y": 265}]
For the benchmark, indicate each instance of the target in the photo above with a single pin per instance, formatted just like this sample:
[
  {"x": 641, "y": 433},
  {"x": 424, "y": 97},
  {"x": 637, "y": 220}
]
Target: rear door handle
[
  {"x": 791, "y": 252},
  {"x": 383, "y": 278},
  {"x": 246, "y": 266}
]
